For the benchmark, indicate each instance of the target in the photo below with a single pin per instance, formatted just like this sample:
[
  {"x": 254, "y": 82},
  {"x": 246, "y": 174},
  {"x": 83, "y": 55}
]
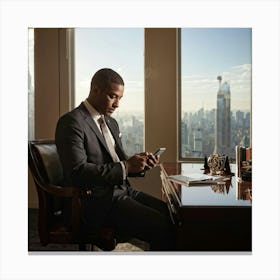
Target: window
[
  {"x": 215, "y": 91},
  {"x": 31, "y": 84},
  {"x": 121, "y": 49}
]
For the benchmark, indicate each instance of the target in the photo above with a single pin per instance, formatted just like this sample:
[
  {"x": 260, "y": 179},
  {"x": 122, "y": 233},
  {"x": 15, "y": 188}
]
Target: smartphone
[{"x": 159, "y": 151}]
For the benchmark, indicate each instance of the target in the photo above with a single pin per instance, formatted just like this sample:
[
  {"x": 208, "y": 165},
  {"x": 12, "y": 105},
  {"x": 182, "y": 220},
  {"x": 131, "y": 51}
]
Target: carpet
[{"x": 134, "y": 245}]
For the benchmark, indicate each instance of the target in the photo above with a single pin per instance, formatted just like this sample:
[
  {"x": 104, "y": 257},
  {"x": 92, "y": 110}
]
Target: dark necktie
[{"x": 107, "y": 138}]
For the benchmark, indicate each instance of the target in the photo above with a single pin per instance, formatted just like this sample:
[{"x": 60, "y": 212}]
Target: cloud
[
  {"x": 203, "y": 88},
  {"x": 239, "y": 74}
]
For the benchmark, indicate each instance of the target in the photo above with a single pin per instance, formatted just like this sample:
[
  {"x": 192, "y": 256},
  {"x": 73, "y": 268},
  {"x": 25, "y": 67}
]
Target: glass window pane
[
  {"x": 121, "y": 49},
  {"x": 215, "y": 90},
  {"x": 30, "y": 84}
]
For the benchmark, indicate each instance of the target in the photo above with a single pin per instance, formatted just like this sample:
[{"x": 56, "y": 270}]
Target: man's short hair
[{"x": 103, "y": 79}]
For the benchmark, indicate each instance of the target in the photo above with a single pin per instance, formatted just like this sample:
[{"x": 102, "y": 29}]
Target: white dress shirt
[{"x": 96, "y": 116}]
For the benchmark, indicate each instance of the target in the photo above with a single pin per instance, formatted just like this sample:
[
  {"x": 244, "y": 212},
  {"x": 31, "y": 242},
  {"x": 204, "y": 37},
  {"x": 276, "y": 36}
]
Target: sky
[
  {"x": 205, "y": 52},
  {"x": 210, "y": 52},
  {"x": 121, "y": 49}
]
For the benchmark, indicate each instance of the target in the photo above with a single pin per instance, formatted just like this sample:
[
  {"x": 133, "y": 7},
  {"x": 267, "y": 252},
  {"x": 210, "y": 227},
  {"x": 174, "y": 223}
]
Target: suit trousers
[{"x": 137, "y": 214}]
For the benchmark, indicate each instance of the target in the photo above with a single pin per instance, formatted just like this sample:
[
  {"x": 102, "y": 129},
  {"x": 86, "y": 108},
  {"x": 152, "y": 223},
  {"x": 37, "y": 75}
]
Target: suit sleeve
[{"x": 78, "y": 171}]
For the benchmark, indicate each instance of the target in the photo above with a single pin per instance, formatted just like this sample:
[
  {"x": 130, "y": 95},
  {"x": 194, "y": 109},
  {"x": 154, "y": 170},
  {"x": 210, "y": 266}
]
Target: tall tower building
[
  {"x": 223, "y": 120},
  {"x": 197, "y": 137}
]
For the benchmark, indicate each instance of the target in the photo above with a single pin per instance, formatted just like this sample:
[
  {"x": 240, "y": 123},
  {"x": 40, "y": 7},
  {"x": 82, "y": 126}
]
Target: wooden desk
[{"x": 208, "y": 218}]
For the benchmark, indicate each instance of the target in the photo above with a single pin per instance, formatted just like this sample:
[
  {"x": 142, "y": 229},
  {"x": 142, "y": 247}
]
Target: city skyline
[{"x": 132, "y": 129}]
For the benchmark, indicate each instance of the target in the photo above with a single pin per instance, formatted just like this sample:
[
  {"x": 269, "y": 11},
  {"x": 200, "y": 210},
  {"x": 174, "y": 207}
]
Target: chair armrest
[
  {"x": 62, "y": 191},
  {"x": 72, "y": 193}
]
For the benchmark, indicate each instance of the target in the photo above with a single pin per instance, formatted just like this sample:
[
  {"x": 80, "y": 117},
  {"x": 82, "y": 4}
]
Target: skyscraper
[
  {"x": 197, "y": 137},
  {"x": 223, "y": 120}
]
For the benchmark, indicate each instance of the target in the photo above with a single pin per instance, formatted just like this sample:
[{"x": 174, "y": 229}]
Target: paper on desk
[{"x": 196, "y": 178}]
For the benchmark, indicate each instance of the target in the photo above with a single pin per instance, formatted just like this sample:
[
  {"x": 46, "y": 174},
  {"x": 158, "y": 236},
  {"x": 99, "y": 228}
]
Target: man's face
[{"x": 107, "y": 101}]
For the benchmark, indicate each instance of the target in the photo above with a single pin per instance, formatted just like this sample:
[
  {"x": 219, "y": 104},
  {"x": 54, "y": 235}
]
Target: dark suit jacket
[{"x": 86, "y": 160}]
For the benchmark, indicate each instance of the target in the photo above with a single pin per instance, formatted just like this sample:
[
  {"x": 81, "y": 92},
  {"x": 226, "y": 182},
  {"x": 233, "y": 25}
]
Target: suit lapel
[
  {"x": 93, "y": 125},
  {"x": 112, "y": 127}
]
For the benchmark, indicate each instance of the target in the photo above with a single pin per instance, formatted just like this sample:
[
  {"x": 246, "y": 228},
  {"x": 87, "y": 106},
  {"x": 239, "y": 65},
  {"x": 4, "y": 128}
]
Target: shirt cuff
[{"x": 124, "y": 169}]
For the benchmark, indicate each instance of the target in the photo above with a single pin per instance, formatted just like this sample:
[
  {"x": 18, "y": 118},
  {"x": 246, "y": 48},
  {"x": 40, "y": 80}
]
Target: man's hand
[
  {"x": 141, "y": 162},
  {"x": 152, "y": 161}
]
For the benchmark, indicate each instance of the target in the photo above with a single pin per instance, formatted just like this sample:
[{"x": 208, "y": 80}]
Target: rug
[{"x": 134, "y": 245}]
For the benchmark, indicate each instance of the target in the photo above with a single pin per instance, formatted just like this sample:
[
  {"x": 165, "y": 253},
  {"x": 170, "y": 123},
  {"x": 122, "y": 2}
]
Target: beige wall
[
  {"x": 46, "y": 65},
  {"x": 46, "y": 100},
  {"x": 52, "y": 94},
  {"x": 161, "y": 91}
]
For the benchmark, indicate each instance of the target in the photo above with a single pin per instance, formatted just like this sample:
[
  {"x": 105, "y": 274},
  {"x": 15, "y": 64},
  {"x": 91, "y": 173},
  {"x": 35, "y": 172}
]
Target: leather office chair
[{"x": 46, "y": 169}]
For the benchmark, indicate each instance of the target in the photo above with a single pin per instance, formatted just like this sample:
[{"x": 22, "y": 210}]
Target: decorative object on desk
[
  {"x": 244, "y": 190},
  {"x": 244, "y": 163},
  {"x": 216, "y": 164},
  {"x": 206, "y": 166},
  {"x": 219, "y": 188},
  {"x": 227, "y": 167}
]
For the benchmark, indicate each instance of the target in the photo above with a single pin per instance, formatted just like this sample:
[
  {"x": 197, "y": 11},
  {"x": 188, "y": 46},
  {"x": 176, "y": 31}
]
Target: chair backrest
[
  {"x": 46, "y": 169},
  {"x": 44, "y": 162}
]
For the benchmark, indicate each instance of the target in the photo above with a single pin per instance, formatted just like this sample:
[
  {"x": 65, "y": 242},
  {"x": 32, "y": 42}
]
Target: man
[{"x": 90, "y": 149}]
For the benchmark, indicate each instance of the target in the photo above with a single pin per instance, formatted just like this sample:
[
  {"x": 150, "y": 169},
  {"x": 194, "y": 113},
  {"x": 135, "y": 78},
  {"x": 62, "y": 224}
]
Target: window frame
[{"x": 179, "y": 120}]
